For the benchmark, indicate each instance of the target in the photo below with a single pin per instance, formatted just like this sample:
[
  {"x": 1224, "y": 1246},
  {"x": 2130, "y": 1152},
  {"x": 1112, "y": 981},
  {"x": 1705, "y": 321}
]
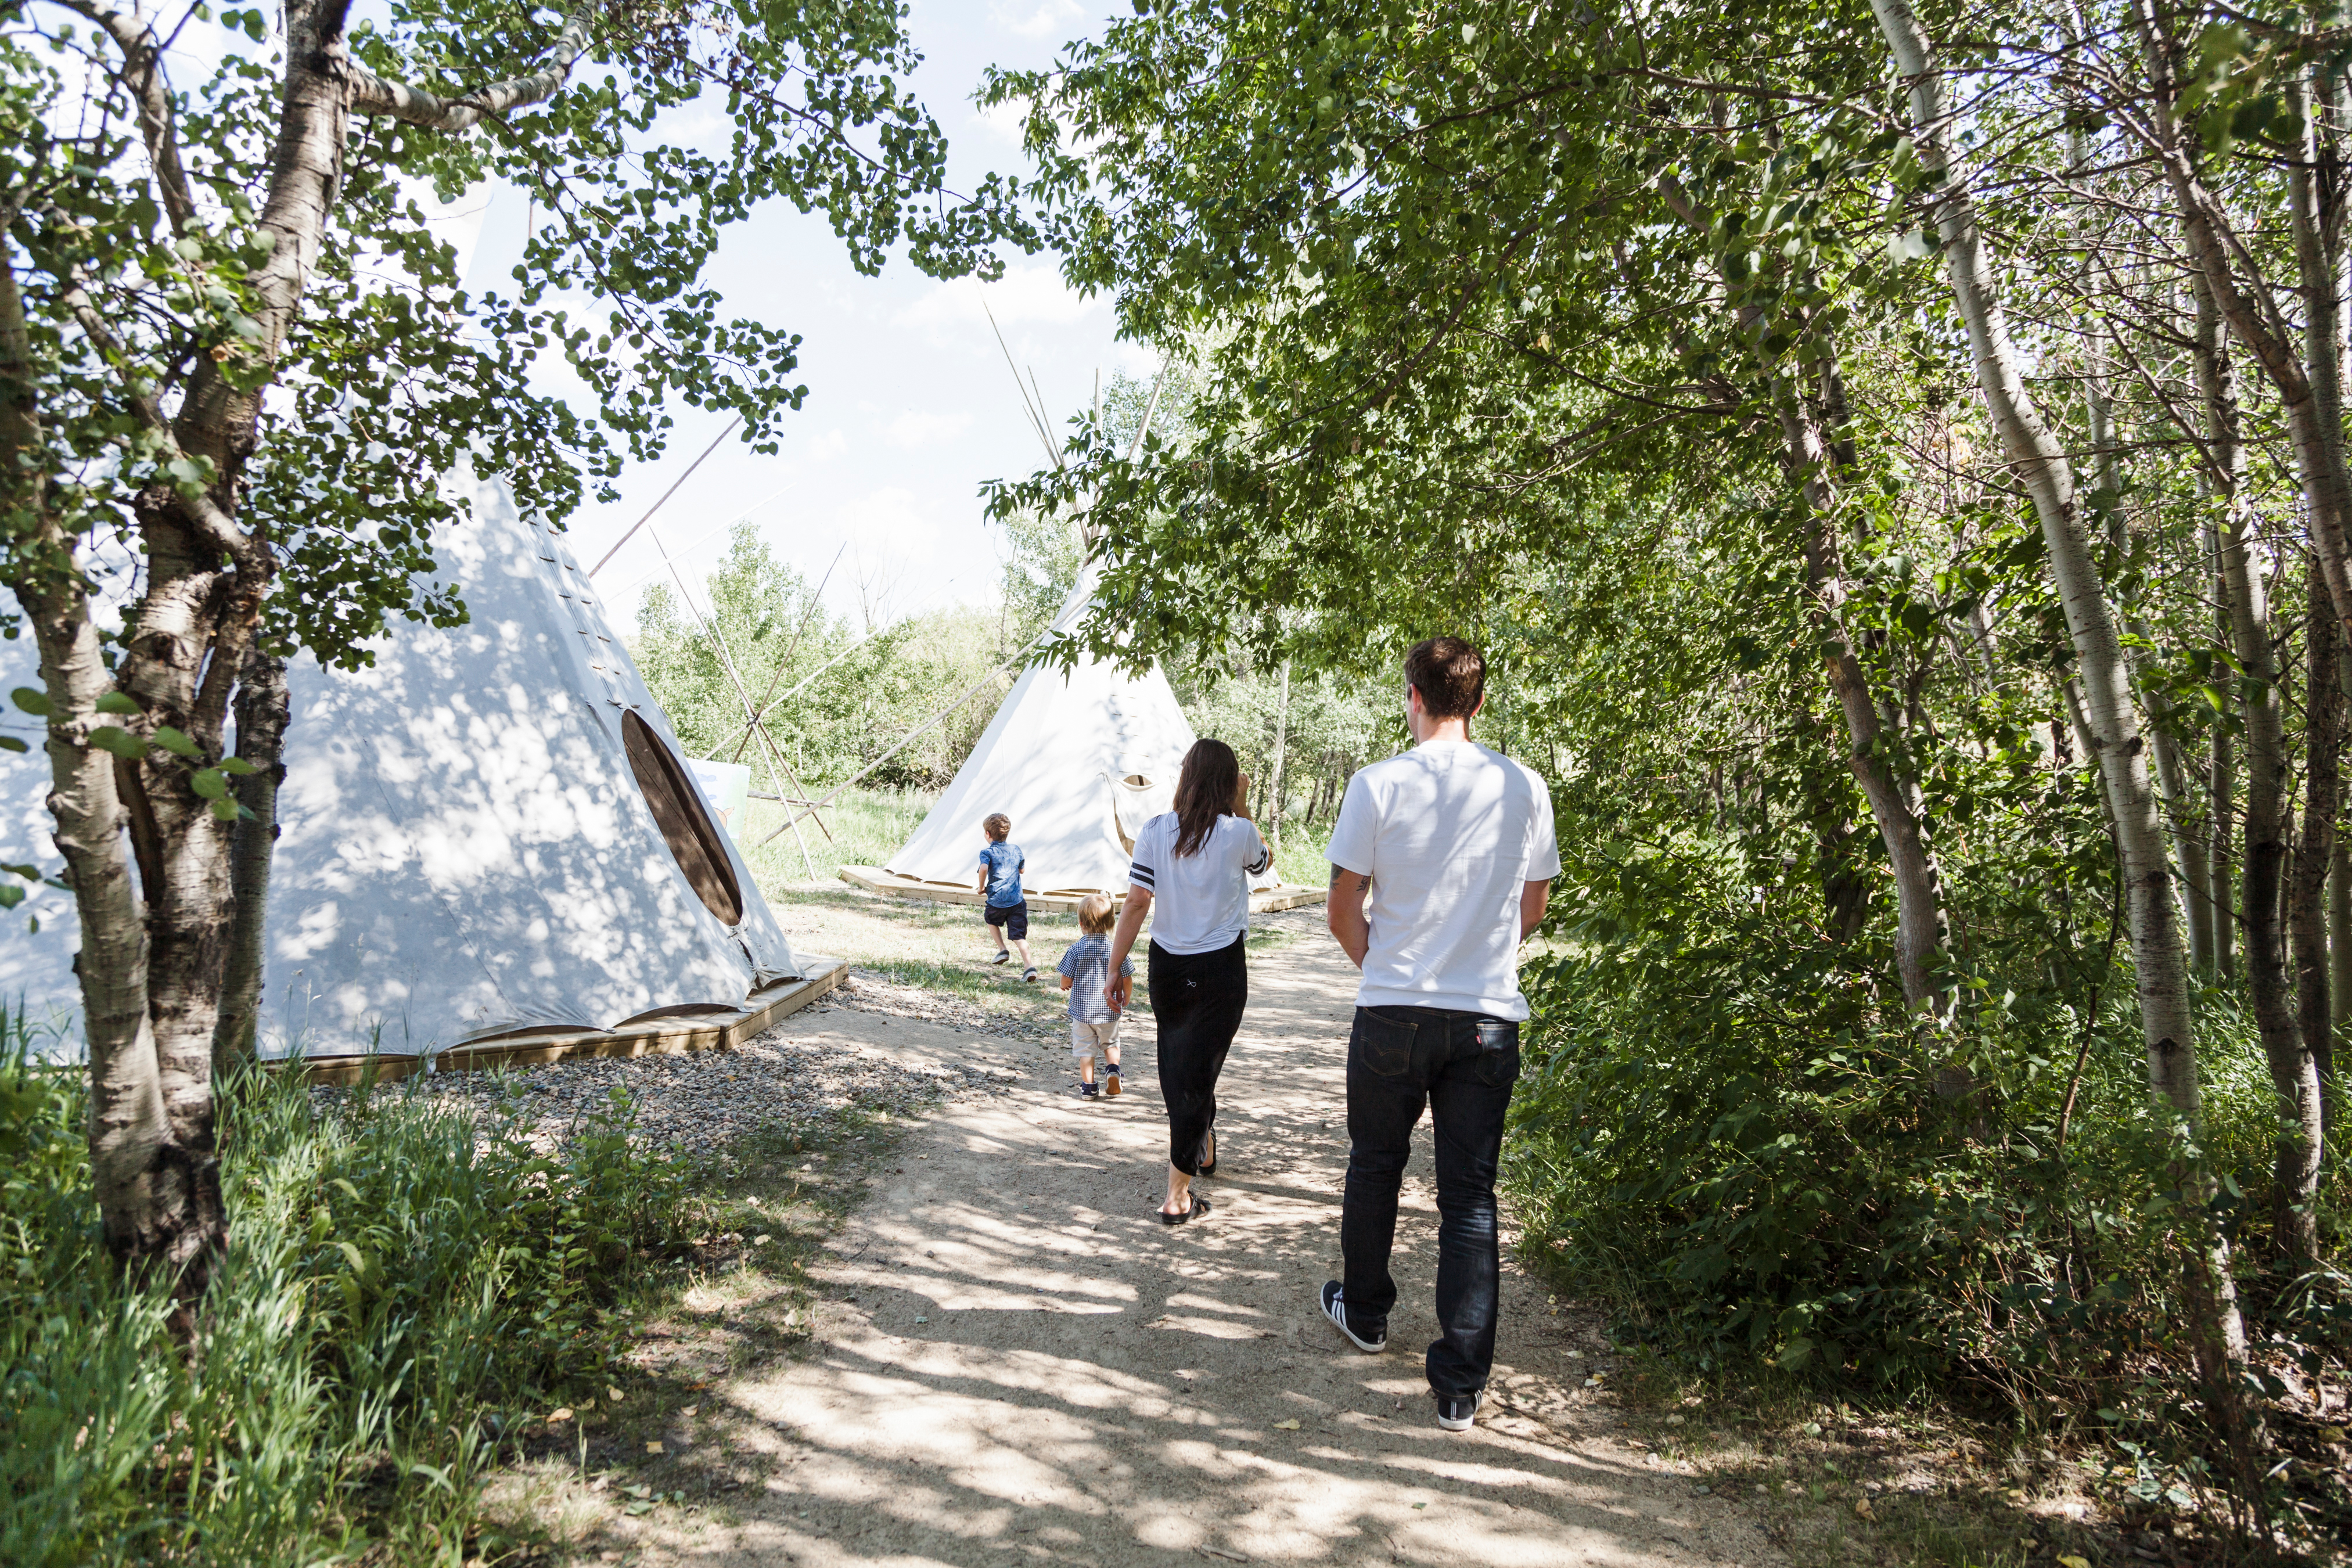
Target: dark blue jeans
[{"x": 1462, "y": 1066}]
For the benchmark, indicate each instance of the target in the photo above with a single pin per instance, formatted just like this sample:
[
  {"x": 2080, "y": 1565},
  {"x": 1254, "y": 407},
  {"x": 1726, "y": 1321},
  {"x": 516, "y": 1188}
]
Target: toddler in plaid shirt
[{"x": 1085, "y": 975}]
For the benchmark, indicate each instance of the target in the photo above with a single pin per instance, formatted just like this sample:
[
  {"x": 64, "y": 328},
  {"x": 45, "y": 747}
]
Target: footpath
[{"x": 1014, "y": 1363}]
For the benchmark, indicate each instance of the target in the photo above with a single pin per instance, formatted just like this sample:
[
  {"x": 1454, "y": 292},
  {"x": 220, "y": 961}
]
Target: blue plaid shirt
[{"x": 1087, "y": 963}]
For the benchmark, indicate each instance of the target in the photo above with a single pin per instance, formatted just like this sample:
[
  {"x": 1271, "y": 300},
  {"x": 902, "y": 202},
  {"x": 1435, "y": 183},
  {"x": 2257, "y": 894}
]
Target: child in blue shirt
[
  {"x": 1007, "y": 913},
  {"x": 1094, "y": 1017}
]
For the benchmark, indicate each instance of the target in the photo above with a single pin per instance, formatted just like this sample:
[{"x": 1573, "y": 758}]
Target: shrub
[
  {"x": 1728, "y": 1126},
  {"x": 400, "y": 1288}
]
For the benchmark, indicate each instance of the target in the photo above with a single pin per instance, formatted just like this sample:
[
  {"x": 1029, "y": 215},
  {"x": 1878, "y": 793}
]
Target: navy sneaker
[
  {"x": 1455, "y": 1412},
  {"x": 1337, "y": 1310}
]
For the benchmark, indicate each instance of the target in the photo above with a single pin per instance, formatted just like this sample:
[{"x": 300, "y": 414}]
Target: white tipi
[
  {"x": 1079, "y": 759},
  {"x": 487, "y": 831}
]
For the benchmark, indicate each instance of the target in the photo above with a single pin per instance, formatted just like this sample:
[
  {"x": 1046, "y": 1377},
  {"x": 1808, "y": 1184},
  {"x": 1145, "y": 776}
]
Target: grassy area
[
  {"x": 865, "y": 827},
  {"x": 402, "y": 1290},
  {"x": 745, "y": 1299}
]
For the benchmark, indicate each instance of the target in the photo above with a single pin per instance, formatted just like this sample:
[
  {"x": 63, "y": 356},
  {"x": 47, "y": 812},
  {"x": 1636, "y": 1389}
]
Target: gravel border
[{"x": 704, "y": 1100}]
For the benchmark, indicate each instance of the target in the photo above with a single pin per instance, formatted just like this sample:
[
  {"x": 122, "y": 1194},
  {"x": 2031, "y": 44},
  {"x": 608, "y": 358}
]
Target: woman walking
[{"x": 1196, "y": 862}]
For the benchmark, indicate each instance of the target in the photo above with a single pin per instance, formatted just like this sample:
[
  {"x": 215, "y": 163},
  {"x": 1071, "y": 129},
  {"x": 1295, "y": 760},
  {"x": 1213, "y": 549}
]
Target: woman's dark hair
[{"x": 1205, "y": 792}]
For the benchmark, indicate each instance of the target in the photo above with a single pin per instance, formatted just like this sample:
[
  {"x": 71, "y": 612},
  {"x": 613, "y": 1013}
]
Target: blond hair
[{"x": 1094, "y": 914}]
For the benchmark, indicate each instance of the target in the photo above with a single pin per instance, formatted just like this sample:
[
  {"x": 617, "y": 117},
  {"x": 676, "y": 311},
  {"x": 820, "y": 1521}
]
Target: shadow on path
[{"x": 1018, "y": 1363}]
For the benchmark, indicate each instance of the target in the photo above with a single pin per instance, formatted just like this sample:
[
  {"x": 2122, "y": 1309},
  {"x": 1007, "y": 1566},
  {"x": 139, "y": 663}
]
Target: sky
[{"x": 911, "y": 404}]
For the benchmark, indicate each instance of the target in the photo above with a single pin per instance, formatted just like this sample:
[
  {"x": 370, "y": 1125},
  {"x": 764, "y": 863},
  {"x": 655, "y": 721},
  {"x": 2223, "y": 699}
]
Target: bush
[
  {"x": 397, "y": 1294},
  {"x": 1727, "y": 1126}
]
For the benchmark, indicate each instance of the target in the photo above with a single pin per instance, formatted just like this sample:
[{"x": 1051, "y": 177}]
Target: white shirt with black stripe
[{"x": 1200, "y": 902}]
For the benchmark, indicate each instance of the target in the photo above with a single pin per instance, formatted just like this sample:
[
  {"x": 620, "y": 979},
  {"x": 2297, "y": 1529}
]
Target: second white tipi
[{"x": 1079, "y": 759}]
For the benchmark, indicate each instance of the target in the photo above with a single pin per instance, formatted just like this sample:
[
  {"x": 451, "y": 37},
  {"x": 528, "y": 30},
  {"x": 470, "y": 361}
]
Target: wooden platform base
[
  {"x": 873, "y": 879},
  {"x": 712, "y": 1029}
]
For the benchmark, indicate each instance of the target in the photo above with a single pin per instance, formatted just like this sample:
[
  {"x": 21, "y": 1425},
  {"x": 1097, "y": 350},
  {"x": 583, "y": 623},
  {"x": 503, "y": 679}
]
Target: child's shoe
[
  {"x": 1089, "y": 1092},
  {"x": 1002, "y": 956},
  {"x": 1030, "y": 974},
  {"x": 1110, "y": 1081}
]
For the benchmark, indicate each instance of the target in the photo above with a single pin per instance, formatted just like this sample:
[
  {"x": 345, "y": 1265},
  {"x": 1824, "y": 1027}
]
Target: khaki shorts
[{"x": 1086, "y": 1038}]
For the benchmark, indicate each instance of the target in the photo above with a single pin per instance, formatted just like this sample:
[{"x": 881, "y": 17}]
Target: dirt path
[{"x": 1016, "y": 1363}]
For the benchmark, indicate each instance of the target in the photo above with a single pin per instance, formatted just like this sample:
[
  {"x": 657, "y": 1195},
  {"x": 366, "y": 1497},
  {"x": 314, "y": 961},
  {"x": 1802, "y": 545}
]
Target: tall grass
[
  {"x": 397, "y": 1296},
  {"x": 863, "y": 828}
]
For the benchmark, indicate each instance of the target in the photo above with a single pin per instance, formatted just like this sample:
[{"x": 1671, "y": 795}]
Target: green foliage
[
  {"x": 837, "y": 702},
  {"x": 401, "y": 1288},
  {"x": 392, "y": 376},
  {"x": 1721, "y": 1117}
]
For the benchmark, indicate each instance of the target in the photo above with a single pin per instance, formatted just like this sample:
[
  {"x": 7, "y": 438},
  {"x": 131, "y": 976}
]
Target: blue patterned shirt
[
  {"x": 1087, "y": 963},
  {"x": 1005, "y": 863}
]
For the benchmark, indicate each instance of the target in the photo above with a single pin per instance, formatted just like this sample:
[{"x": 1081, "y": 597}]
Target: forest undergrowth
[
  {"x": 402, "y": 1290},
  {"x": 1736, "y": 1142}
]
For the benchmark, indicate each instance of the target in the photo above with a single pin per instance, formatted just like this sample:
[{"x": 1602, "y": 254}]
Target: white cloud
[
  {"x": 1003, "y": 121},
  {"x": 917, "y": 427},
  {"x": 1040, "y": 19},
  {"x": 1030, "y": 294},
  {"x": 832, "y": 444}
]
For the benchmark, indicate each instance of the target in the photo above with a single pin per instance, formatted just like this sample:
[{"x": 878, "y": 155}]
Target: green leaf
[
  {"x": 121, "y": 743},
  {"x": 119, "y": 703},
  {"x": 32, "y": 701},
  {"x": 11, "y": 895},
  {"x": 209, "y": 783},
  {"x": 235, "y": 766},
  {"x": 227, "y": 810},
  {"x": 177, "y": 743},
  {"x": 13, "y": 743}
]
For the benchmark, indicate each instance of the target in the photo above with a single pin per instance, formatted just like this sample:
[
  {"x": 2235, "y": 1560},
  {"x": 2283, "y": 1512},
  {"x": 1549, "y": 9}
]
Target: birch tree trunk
[
  {"x": 1814, "y": 449},
  {"x": 2303, "y": 1143},
  {"x": 1920, "y": 931},
  {"x": 262, "y": 719},
  {"x": 159, "y": 1197},
  {"x": 153, "y": 957},
  {"x": 1281, "y": 744},
  {"x": 2221, "y": 778},
  {"x": 2041, "y": 463}
]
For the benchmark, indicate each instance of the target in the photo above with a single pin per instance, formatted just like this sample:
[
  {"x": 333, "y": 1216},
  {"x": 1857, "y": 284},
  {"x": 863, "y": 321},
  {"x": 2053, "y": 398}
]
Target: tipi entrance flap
[{"x": 1136, "y": 798}]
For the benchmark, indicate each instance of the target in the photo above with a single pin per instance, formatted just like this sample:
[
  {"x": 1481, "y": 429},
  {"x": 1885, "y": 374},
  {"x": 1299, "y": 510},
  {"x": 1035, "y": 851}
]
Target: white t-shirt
[
  {"x": 1449, "y": 833},
  {"x": 1200, "y": 902}
]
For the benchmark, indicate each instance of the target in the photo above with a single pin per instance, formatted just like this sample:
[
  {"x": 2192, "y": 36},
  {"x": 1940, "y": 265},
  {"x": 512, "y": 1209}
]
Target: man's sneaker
[
  {"x": 1337, "y": 1310},
  {"x": 1110, "y": 1081},
  {"x": 1001, "y": 957},
  {"x": 1455, "y": 1412}
]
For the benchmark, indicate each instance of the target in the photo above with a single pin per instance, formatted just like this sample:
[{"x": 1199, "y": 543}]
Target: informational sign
[{"x": 728, "y": 787}]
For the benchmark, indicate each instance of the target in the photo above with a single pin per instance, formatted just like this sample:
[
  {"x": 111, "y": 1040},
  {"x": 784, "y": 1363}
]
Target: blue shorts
[{"x": 1014, "y": 917}]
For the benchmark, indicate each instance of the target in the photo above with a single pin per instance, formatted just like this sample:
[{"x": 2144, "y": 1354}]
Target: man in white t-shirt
[{"x": 1454, "y": 844}]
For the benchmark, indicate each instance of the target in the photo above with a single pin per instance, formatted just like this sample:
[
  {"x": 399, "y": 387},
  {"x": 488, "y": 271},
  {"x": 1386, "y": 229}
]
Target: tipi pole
[
  {"x": 664, "y": 497},
  {"x": 933, "y": 722},
  {"x": 816, "y": 607},
  {"x": 727, "y": 662}
]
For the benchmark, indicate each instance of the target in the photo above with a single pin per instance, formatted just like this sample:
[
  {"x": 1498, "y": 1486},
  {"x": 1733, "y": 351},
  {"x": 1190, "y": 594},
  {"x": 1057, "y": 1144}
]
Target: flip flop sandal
[{"x": 1200, "y": 1206}]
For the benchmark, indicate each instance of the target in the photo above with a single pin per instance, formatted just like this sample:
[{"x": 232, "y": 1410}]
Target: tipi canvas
[
  {"x": 489, "y": 830},
  {"x": 1079, "y": 759}
]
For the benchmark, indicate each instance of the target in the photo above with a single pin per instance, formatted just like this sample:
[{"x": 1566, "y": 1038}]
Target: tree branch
[
  {"x": 143, "y": 73},
  {"x": 370, "y": 94}
]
